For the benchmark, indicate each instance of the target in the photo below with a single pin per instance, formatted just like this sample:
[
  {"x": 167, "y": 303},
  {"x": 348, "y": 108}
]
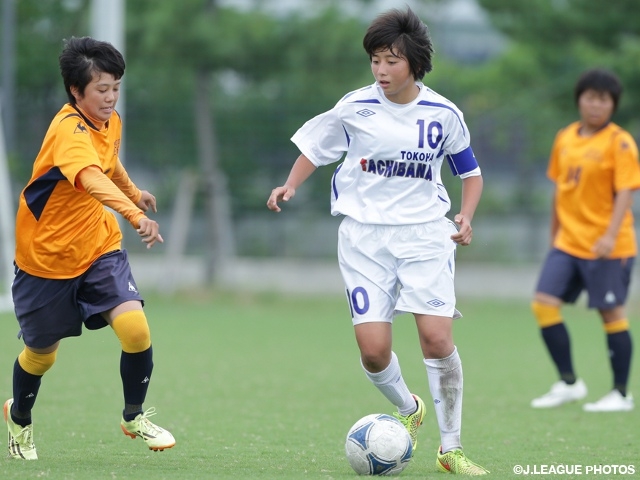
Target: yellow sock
[
  {"x": 546, "y": 315},
  {"x": 132, "y": 330},
  {"x": 36, "y": 363},
  {"x": 616, "y": 326}
]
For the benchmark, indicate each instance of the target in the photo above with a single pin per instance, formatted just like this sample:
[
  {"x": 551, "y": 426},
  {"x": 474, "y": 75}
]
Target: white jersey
[{"x": 391, "y": 172}]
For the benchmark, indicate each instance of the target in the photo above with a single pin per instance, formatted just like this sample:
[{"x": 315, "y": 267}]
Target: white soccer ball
[{"x": 378, "y": 444}]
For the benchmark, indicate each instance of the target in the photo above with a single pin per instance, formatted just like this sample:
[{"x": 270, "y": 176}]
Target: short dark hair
[
  {"x": 404, "y": 34},
  {"x": 600, "y": 80},
  {"x": 82, "y": 57}
]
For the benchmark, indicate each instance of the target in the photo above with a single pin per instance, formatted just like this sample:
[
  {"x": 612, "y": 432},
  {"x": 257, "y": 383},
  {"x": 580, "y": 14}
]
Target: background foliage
[{"x": 268, "y": 73}]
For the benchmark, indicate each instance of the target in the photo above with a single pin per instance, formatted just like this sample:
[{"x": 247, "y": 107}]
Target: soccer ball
[{"x": 378, "y": 444}]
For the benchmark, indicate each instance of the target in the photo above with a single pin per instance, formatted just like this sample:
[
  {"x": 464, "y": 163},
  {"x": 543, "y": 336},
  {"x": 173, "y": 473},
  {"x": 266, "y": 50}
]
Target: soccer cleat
[
  {"x": 455, "y": 461},
  {"x": 611, "y": 402},
  {"x": 157, "y": 438},
  {"x": 20, "y": 438},
  {"x": 561, "y": 393},
  {"x": 413, "y": 421}
]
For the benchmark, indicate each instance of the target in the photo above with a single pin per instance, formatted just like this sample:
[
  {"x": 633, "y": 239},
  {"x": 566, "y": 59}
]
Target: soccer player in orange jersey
[
  {"x": 594, "y": 165},
  {"x": 70, "y": 266}
]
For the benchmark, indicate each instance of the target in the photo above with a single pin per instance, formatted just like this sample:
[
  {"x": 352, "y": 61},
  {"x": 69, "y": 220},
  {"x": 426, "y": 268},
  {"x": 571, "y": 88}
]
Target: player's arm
[
  {"x": 99, "y": 186},
  {"x": 301, "y": 170},
  {"x": 121, "y": 178},
  {"x": 141, "y": 198},
  {"x": 471, "y": 193},
  {"x": 605, "y": 244},
  {"x": 554, "y": 221},
  {"x": 555, "y": 173}
]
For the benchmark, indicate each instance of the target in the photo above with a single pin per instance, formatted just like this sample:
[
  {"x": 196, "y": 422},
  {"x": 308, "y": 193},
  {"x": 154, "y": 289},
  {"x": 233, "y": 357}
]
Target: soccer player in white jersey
[{"x": 396, "y": 248}]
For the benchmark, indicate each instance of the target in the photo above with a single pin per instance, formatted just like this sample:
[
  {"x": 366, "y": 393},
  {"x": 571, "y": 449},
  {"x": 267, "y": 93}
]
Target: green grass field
[{"x": 264, "y": 386}]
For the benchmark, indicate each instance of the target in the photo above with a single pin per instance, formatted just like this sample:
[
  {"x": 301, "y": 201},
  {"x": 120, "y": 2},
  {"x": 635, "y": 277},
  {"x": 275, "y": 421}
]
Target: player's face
[
  {"x": 100, "y": 96},
  {"x": 595, "y": 109},
  {"x": 394, "y": 76}
]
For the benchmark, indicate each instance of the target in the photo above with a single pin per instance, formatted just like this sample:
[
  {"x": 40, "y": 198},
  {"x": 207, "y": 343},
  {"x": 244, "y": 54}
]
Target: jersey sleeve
[
  {"x": 73, "y": 150},
  {"x": 627, "y": 169},
  {"x": 100, "y": 187},
  {"x": 121, "y": 178},
  {"x": 553, "y": 169},
  {"x": 457, "y": 146},
  {"x": 323, "y": 139}
]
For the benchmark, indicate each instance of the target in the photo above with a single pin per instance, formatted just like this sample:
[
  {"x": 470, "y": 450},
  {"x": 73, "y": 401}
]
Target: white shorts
[{"x": 393, "y": 269}]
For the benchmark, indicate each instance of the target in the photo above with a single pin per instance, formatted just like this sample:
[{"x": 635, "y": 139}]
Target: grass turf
[{"x": 267, "y": 386}]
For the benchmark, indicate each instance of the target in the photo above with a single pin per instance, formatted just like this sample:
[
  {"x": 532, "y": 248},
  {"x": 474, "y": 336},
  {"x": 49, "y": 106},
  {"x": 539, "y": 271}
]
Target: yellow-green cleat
[
  {"x": 413, "y": 421},
  {"x": 20, "y": 438},
  {"x": 455, "y": 461},
  {"x": 157, "y": 438}
]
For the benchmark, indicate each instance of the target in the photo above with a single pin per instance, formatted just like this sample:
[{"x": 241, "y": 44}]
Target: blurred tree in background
[
  {"x": 218, "y": 91},
  {"x": 530, "y": 86}
]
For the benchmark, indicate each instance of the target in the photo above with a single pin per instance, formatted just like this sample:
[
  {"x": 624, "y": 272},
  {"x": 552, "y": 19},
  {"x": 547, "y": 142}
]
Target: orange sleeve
[
  {"x": 627, "y": 169},
  {"x": 553, "y": 167},
  {"x": 121, "y": 178},
  {"x": 100, "y": 187}
]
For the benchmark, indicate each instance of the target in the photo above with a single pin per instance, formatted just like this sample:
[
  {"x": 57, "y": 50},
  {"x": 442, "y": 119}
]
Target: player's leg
[
  {"x": 560, "y": 281},
  {"x": 616, "y": 326},
  {"x": 444, "y": 372},
  {"x": 382, "y": 368},
  {"x": 609, "y": 286},
  {"x": 129, "y": 323},
  {"x": 547, "y": 312},
  {"x": 426, "y": 273},
  {"x": 371, "y": 288},
  {"x": 136, "y": 365},
  {"x": 47, "y": 312},
  {"x": 109, "y": 294},
  {"x": 28, "y": 369},
  {"x": 381, "y": 364}
]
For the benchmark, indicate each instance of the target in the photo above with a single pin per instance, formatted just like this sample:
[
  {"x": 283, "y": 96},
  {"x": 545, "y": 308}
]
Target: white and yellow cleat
[
  {"x": 456, "y": 462},
  {"x": 413, "y": 421},
  {"x": 157, "y": 438},
  {"x": 21, "y": 444}
]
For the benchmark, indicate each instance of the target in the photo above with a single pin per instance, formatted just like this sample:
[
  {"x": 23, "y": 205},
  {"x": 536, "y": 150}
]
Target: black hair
[
  {"x": 83, "y": 57},
  {"x": 403, "y": 34},
  {"x": 600, "y": 80}
]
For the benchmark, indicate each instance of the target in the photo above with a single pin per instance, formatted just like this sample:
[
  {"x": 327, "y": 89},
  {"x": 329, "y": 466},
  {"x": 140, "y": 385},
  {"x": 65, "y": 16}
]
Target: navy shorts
[
  {"x": 49, "y": 309},
  {"x": 605, "y": 280}
]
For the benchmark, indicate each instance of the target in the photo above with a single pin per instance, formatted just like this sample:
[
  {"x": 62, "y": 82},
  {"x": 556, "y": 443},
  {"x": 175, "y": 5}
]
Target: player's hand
[
  {"x": 604, "y": 246},
  {"x": 149, "y": 230},
  {"x": 280, "y": 194},
  {"x": 146, "y": 202},
  {"x": 465, "y": 233}
]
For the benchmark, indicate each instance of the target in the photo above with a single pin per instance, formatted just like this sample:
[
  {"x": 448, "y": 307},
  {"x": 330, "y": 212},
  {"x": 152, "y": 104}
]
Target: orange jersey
[
  {"x": 60, "y": 229},
  {"x": 588, "y": 171}
]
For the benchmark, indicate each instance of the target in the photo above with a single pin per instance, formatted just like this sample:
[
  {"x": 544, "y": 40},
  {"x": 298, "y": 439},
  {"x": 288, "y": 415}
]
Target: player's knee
[
  {"x": 374, "y": 362},
  {"x": 132, "y": 330},
  {"x": 438, "y": 344},
  {"x": 617, "y": 326},
  {"x": 36, "y": 363},
  {"x": 546, "y": 314}
]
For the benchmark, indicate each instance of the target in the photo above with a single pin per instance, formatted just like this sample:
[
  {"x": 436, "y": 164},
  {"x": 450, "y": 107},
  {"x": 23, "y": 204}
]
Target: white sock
[
  {"x": 390, "y": 382},
  {"x": 445, "y": 384}
]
